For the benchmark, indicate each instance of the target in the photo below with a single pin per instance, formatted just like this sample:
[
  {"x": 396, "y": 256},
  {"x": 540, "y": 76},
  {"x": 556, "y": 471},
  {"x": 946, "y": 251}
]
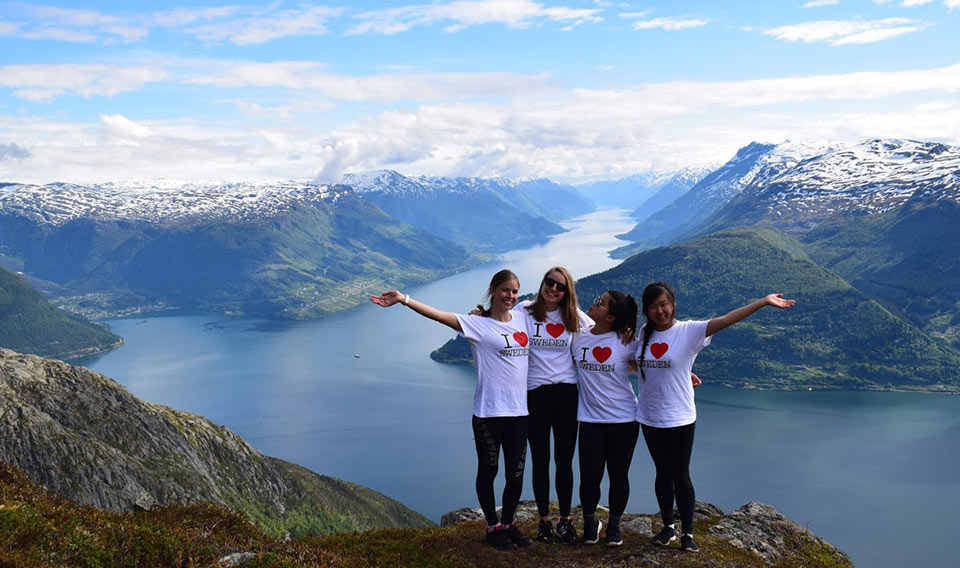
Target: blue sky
[{"x": 573, "y": 90}]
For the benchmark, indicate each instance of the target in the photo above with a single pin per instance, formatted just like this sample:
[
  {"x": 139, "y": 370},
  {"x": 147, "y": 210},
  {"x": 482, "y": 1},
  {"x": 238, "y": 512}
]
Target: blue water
[{"x": 875, "y": 474}]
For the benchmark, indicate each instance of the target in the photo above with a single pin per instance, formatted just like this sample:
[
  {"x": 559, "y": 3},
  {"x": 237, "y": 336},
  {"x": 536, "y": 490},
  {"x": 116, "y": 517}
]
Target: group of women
[{"x": 545, "y": 368}]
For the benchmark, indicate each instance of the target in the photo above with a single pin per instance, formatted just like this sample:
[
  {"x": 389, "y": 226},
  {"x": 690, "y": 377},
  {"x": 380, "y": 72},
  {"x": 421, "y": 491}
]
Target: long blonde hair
[{"x": 568, "y": 305}]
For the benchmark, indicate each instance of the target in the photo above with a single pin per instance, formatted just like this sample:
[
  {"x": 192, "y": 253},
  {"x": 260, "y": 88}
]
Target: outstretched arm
[
  {"x": 392, "y": 297},
  {"x": 723, "y": 322}
]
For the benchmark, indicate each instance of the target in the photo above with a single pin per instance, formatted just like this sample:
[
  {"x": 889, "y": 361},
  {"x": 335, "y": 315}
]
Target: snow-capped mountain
[
  {"x": 870, "y": 177},
  {"x": 159, "y": 201},
  {"x": 671, "y": 189},
  {"x": 796, "y": 185},
  {"x": 280, "y": 250},
  {"x": 491, "y": 214}
]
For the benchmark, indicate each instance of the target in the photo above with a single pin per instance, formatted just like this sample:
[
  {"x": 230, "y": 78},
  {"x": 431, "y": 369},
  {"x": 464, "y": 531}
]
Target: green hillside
[
  {"x": 31, "y": 325},
  {"x": 835, "y": 337},
  {"x": 909, "y": 259},
  {"x": 306, "y": 261}
]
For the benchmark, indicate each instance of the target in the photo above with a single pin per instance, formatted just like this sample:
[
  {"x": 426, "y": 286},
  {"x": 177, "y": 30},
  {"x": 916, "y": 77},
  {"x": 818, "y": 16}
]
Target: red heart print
[
  {"x": 601, "y": 354},
  {"x": 521, "y": 338},
  {"x": 555, "y": 329},
  {"x": 658, "y": 349}
]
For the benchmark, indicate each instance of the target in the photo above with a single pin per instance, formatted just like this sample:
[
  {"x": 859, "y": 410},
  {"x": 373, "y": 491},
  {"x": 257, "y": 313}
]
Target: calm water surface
[{"x": 863, "y": 470}]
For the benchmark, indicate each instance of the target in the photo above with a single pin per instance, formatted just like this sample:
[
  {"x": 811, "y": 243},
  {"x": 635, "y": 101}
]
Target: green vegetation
[
  {"x": 39, "y": 530},
  {"x": 29, "y": 324},
  {"x": 835, "y": 337},
  {"x": 907, "y": 259},
  {"x": 304, "y": 262}
]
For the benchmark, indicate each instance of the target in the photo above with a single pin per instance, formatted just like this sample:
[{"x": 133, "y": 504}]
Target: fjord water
[{"x": 356, "y": 396}]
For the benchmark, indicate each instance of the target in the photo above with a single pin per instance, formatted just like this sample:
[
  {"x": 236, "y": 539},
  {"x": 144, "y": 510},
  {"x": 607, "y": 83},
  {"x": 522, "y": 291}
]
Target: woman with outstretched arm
[
  {"x": 666, "y": 410},
  {"x": 498, "y": 339}
]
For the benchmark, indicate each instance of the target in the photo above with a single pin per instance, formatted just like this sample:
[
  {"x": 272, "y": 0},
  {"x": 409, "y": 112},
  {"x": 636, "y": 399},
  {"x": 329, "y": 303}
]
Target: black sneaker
[
  {"x": 499, "y": 538},
  {"x": 665, "y": 536},
  {"x": 612, "y": 537},
  {"x": 687, "y": 544},
  {"x": 591, "y": 534},
  {"x": 565, "y": 531},
  {"x": 517, "y": 537},
  {"x": 545, "y": 532}
]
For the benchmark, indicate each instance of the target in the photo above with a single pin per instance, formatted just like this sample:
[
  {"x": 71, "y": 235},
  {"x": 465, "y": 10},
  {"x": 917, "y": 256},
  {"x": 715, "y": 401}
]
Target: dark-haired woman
[
  {"x": 499, "y": 341},
  {"x": 607, "y": 410},
  {"x": 666, "y": 410},
  {"x": 553, "y": 318}
]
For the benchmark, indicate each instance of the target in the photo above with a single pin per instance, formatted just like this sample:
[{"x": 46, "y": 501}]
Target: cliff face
[{"x": 84, "y": 436}]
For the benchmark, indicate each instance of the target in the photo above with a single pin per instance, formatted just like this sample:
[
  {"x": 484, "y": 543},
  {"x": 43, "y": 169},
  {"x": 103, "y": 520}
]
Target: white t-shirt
[
  {"x": 501, "y": 352},
  {"x": 606, "y": 394},
  {"x": 550, "y": 360},
  {"x": 666, "y": 396}
]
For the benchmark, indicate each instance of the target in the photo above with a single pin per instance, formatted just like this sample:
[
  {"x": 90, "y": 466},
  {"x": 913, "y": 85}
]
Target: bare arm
[
  {"x": 392, "y": 297},
  {"x": 723, "y": 322}
]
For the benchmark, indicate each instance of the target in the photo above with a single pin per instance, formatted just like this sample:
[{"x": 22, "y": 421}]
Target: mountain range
[
  {"x": 882, "y": 214},
  {"x": 486, "y": 214},
  {"x": 289, "y": 251}
]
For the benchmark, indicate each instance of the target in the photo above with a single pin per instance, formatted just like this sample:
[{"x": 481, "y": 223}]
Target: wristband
[{"x": 406, "y": 298}]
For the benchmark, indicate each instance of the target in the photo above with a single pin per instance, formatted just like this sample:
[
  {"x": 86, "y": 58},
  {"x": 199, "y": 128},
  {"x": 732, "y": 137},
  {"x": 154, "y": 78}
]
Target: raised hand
[
  {"x": 387, "y": 299},
  {"x": 778, "y": 301}
]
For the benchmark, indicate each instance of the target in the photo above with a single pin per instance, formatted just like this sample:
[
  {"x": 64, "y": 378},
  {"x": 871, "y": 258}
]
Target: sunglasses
[
  {"x": 551, "y": 283},
  {"x": 598, "y": 301}
]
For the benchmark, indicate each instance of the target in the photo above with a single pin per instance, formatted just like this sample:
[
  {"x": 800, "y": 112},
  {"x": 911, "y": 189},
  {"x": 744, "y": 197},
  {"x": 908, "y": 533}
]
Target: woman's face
[
  {"x": 553, "y": 288},
  {"x": 600, "y": 307},
  {"x": 660, "y": 312},
  {"x": 505, "y": 296}
]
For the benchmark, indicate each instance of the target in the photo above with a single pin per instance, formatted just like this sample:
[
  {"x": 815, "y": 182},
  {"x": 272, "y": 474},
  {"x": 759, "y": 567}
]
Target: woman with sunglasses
[
  {"x": 553, "y": 318},
  {"x": 607, "y": 410},
  {"x": 499, "y": 341},
  {"x": 667, "y": 413}
]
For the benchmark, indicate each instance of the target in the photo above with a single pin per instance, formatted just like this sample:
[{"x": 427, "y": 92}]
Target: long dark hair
[
  {"x": 653, "y": 291},
  {"x": 624, "y": 310},
  {"x": 568, "y": 306},
  {"x": 498, "y": 279}
]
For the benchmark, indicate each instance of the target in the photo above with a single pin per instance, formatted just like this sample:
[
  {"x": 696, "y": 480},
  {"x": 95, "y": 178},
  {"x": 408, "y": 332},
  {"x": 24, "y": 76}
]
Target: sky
[{"x": 571, "y": 90}]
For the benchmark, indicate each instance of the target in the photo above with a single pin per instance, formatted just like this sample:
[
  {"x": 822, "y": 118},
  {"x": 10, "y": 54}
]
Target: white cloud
[
  {"x": 951, "y": 4},
  {"x": 563, "y": 134},
  {"x": 911, "y": 3},
  {"x": 311, "y": 76},
  {"x": 45, "y": 82},
  {"x": 821, "y": 3},
  {"x": 122, "y": 128},
  {"x": 462, "y": 14},
  {"x": 842, "y": 32},
  {"x": 670, "y": 24},
  {"x": 261, "y": 28}
]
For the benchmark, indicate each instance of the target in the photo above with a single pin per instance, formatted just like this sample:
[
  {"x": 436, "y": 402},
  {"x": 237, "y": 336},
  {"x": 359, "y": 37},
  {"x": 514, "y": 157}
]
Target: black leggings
[
  {"x": 553, "y": 407},
  {"x": 609, "y": 445},
  {"x": 490, "y": 434},
  {"x": 670, "y": 449}
]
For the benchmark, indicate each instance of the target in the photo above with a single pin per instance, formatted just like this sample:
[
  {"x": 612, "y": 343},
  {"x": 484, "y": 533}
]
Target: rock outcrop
[
  {"x": 86, "y": 437},
  {"x": 755, "y": 528}
]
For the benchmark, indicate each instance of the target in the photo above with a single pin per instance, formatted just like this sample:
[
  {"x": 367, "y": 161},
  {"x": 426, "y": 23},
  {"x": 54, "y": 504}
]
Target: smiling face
[
  {"x": 553, "y": 289},
  {"x": 660, "y": 312},
  {"x": 504, "y": 296}
]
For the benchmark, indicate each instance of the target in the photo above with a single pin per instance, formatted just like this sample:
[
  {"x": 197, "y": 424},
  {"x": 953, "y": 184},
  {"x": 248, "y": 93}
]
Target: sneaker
[
  {"x": 687, "y": 544},
  {"x": 591, "y": 535},
  {"x": 565, "y": 531},
  {"x": 545, "y": 532},
  {"x": 612, "y": 536},
  {"x": 499, "y": 538},
  {"x": 517, "y": 537},
  {"x": 666, "y": 535}
]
